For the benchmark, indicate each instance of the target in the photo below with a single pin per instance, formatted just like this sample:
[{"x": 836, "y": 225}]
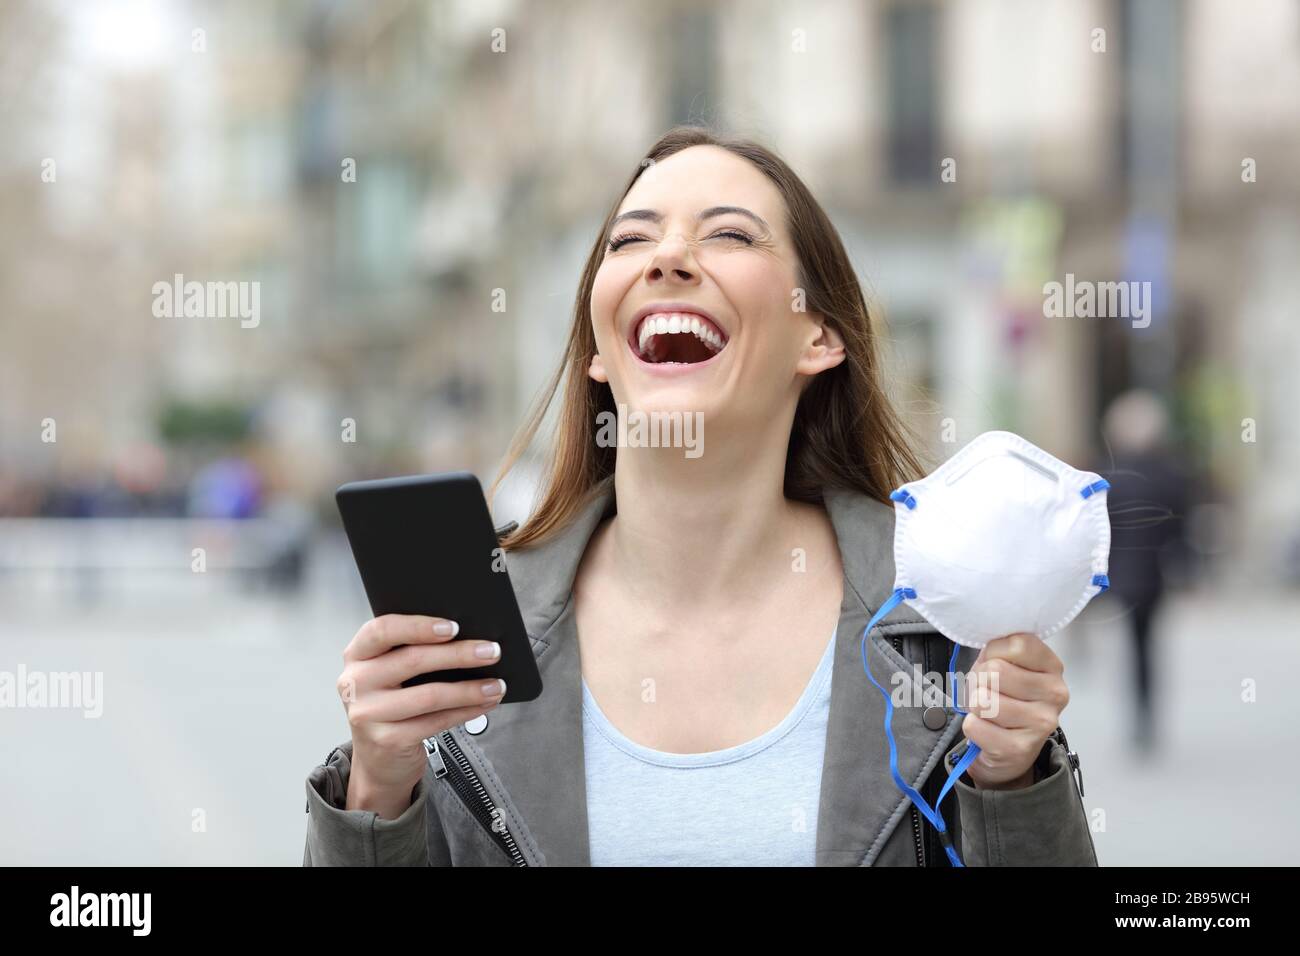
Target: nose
[{"x": 672, "y": 261}]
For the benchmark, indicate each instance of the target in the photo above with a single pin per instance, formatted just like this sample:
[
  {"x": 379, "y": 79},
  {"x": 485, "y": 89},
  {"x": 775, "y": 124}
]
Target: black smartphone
[{"x": 425, "y": 544}]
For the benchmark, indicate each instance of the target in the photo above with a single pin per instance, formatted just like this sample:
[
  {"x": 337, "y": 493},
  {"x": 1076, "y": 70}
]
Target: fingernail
[
  {"x": 446, "y": 627},
  {"x": 487, "y": 649},
  {"x": 494, "y": 688}
]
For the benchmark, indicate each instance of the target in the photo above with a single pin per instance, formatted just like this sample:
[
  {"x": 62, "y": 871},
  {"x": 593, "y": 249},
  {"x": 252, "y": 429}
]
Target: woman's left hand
[{"x": 1014, "y": 706}]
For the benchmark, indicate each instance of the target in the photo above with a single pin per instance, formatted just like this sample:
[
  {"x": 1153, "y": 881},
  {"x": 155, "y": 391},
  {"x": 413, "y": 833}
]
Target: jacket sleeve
[
  {"x": 339, "y": 837},
  {"x": 1044, "y": 824}
]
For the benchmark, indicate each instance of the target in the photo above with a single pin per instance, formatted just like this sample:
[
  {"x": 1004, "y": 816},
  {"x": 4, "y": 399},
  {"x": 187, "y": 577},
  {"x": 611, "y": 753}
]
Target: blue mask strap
[
  {"x": 952, "y": 680},
  {"x": 972, "y": 751}
]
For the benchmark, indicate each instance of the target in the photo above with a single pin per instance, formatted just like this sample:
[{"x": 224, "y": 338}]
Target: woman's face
[{"x": 693, "y": 306}]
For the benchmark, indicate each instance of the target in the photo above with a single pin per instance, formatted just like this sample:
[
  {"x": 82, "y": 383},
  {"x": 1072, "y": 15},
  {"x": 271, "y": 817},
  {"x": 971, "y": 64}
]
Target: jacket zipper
[
  {"x": 1071, "y": 756},
  {"x": 916, "y": 814},
  {"x": 471, "y": 792}
]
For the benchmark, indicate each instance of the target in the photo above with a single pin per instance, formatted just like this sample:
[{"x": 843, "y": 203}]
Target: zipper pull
[
  {"x": 435, "y": 757},
  {"x": 1071, "y": 756}
]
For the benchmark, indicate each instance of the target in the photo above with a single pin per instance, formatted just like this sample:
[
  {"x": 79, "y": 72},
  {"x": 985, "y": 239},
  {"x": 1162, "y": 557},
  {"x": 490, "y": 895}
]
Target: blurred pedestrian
[
  {"x": 225, "y": 488},
  {"x": 1148, "y": 499}
]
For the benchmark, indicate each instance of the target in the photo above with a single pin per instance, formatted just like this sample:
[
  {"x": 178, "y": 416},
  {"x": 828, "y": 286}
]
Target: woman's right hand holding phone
[{"x": 390, "y": 722}]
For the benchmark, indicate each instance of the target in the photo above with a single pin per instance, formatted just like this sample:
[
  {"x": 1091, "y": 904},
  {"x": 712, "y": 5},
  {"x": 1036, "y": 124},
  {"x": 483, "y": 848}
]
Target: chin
[{"x": 670, "y": 396}]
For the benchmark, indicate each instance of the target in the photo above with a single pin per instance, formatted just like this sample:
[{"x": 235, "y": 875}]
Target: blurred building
[{"x": 414, "y": 185}]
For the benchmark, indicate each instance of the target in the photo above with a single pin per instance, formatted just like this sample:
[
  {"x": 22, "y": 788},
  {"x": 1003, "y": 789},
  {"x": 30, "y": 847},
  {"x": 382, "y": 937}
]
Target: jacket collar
[{"x": 536, "y": 748}]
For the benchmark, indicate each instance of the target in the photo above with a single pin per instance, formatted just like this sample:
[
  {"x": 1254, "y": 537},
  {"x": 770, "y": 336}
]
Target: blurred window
[
  {"x": 377, "y": 222},
  {"x": 912, "y": 91},
  {"x": 693, "y": 46}
]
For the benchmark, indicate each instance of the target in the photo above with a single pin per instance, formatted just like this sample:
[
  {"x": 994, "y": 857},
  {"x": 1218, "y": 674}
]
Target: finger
[
  {"x": 381, "y": 634},
  {"x": 403, "y": 663},
  {"x": 1000, "y": 748},
  {"x": 418, "y": 728},
  {"x": 1027, "y": 650},
  {"x": 1003, "y": 677},
  {"x": 1011, "y": 714},
  {"x": 392, "y": 706}
]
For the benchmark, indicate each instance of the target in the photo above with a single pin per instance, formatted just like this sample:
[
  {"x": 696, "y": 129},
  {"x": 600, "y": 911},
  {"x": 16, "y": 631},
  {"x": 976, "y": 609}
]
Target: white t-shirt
[{"x": 754, "y": 804}]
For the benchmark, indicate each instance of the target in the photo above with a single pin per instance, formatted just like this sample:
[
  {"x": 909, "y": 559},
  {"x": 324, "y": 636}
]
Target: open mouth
[{"x": 677, "y": 338}]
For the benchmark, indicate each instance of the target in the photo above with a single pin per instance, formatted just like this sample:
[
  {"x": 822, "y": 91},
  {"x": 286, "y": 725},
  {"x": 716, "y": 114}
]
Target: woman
[{"x": 705, "y": 701}]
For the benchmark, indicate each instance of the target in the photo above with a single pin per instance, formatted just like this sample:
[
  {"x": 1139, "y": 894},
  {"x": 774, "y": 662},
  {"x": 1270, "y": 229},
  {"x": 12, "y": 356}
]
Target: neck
[{"x": 719, "y": 524}]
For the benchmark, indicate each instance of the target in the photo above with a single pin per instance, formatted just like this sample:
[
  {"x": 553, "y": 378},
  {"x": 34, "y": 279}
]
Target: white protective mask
[{"x": 1002, "y": 538}]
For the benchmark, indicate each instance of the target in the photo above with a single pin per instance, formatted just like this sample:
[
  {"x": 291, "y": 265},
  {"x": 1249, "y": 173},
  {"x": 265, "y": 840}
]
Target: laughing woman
[{"x": 696, "y": 618}]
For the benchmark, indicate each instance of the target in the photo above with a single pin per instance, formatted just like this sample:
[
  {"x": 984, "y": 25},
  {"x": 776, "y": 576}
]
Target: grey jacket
[{"x": 515, "y": 793}]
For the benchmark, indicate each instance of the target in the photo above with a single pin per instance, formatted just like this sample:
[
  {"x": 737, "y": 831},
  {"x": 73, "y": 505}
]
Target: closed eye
[{"x": 618, "y": 242}]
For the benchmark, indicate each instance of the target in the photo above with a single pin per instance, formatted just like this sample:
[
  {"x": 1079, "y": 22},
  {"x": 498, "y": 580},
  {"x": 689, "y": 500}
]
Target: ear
[
  {"x": 596, "y": 370},
  {"x": 826, "y": 350}
]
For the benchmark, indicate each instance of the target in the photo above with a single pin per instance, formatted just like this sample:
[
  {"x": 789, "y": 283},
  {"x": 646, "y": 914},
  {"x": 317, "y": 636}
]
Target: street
[{"x": 217, "y": 704}]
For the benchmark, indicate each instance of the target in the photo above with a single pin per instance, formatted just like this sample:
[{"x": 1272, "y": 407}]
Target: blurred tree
[{"x": 219, "y": 422}]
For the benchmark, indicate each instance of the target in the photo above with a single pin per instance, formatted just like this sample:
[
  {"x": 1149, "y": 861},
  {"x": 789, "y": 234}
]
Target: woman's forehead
[{"x": 704, "y": 176}]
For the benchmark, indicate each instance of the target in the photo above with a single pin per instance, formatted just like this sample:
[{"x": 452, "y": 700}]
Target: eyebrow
[{"x": 651, "y": 215}]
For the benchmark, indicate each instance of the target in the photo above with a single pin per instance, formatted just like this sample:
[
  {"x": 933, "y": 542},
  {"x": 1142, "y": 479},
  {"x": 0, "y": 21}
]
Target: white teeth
[{"x": 677, "y": 323}]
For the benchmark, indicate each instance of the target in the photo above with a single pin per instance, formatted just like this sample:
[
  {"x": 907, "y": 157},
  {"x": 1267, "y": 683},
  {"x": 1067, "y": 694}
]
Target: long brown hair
[{"x": 846, "y": 432}]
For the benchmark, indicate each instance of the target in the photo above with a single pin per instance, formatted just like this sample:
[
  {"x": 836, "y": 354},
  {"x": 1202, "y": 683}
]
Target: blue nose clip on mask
[{"x": 1002, "y": 538}]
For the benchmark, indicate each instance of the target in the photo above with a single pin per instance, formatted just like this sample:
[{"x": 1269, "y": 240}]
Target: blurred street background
[{"x": 413, "y": 186}]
